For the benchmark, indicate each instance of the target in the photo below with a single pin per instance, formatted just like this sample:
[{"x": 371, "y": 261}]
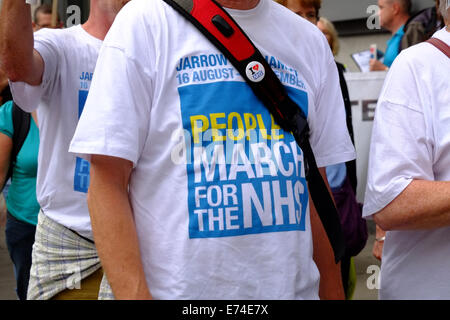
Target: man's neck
[
  {"x": 398, "y": 23},
  {"x": 99, "y": 21},
  {"x": 239, "y": 4}
]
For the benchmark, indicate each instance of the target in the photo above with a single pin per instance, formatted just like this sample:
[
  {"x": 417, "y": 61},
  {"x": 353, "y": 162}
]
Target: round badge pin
[{"x": 255, "y": 71}]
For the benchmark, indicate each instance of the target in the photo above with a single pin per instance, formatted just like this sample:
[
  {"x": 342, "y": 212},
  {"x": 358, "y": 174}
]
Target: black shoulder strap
[
  {"x": 21, "y": 124},
  {"x": 220, "y": 28}
]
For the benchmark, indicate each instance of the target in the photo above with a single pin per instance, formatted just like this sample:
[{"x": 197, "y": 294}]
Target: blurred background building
[
  {"x": 350, "y": 18},
  {"x": 64, "y": 8}
]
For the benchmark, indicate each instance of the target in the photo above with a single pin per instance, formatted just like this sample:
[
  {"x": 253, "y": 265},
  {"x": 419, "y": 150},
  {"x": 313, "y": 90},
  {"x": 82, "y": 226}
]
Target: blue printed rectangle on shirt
[{"x": 245, "y": 174}]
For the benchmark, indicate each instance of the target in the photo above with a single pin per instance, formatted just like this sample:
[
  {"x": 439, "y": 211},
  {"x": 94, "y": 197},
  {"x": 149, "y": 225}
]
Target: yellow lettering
[
  {"x": 215, "y": 126},
  {"x": 196, "y": 129},
  {"x": 262, "y": 128},
  {"x": 243, "y": 126},
  {"x": 275, "y": 130}
]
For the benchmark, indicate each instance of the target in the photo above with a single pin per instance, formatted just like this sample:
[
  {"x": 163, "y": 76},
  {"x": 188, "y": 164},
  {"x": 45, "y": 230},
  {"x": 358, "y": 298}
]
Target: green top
[{"x": 21, "y": 200}]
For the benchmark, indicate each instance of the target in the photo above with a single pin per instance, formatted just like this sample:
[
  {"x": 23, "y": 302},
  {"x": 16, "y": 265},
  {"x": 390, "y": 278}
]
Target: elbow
[
  {"x": 14, "y": 69},
  {"x": 381, "y": 221},
  {"x": 9, "y": 71},
  {"x": 13, "y": 73},
  {"x": 13, "y": 76},
  {"x": 384, "y": 220}
]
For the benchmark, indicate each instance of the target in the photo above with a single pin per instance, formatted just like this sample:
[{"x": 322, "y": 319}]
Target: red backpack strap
[{"x": 441, "y": 45}]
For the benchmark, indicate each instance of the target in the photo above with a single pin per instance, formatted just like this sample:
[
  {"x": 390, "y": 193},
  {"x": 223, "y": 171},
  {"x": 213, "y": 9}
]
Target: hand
[
  {"x": 377, "y": 249},
  {"x": 377, "y": 65}
]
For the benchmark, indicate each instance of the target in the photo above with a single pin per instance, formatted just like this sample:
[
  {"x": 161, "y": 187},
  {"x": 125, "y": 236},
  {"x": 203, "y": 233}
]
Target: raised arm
[
  {"x": 18, "y": 58},
  {"x": 114, "y": 229}
]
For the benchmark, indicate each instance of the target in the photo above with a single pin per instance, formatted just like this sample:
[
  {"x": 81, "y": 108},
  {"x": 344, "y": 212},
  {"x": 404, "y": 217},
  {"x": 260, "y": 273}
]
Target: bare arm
[
  {"x": 114, "y": 228},
  {"x": 330, "y": 272},
  {"x": 422, "y": 205},
  {"x": 5, "y": 154},
  {"x": 18, "y": 58}
]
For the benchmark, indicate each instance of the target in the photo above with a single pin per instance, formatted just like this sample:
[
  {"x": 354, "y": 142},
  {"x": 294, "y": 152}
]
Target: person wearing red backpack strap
[
  {"x": 229, "y": 217},
  {"x": 409, "y": 168}
]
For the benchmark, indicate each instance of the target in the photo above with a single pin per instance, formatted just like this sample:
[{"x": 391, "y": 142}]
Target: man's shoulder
[
  {"x": 56, "y": 33},
  {"x": 419, "y": 53},
  {"x": 72, "y": 39},
  {"x": 409, "y": 59},
  {"x": 57, "y": 36}
]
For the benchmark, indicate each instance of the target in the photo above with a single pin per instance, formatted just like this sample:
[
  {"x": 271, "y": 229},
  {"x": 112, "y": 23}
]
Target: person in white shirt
[
  {"x": 408, "y": 188},
  {"x": 196, "y": 193},
  {"x": 51, "y": 71}
]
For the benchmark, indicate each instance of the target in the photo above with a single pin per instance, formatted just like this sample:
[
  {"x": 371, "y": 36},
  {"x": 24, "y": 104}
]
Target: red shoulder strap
[{"x": 441, "y": 45}]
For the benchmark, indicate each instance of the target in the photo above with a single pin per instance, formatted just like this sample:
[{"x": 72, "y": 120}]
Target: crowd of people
[{"x": 96, "y": 118}]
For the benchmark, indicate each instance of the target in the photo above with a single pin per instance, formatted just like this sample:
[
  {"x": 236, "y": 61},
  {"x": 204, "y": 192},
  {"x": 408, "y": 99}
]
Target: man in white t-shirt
[
  {"x": 408, "y": 193},
  {"x": 51, "y": 71},
  {"x": 196, "y": 193}
]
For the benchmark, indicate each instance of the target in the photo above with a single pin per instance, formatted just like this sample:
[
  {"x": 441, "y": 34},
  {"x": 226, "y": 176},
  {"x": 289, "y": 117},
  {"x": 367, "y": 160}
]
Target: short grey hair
[
  {"x": 444, "y": 5},
  {"x": 405, "y": 5}
]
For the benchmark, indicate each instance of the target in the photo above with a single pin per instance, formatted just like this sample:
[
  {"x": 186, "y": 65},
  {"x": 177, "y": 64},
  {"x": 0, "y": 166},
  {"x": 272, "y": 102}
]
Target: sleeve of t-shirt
[
  {"x": 336, "y": 175},
  {"x": 119, "y": 110},
  {"x": 47, "y": 43},
  {"x": 6, "y": 123},
  {"x": 401, "y": 149},
  {"x": 116, "y": 116},
  {"x": 330, "y": 139}
]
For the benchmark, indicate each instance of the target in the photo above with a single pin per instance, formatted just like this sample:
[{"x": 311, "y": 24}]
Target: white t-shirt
[
  {"x": 231, "y": 222},
  {"x": 70, "y": 56},
  {"x": 411, "y": 140}
]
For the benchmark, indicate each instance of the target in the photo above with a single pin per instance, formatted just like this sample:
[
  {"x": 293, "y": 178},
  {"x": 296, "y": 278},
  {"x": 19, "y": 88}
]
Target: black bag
[
  {"x": 21, "y": 124},
  {"x": 354, "y": 226}
]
